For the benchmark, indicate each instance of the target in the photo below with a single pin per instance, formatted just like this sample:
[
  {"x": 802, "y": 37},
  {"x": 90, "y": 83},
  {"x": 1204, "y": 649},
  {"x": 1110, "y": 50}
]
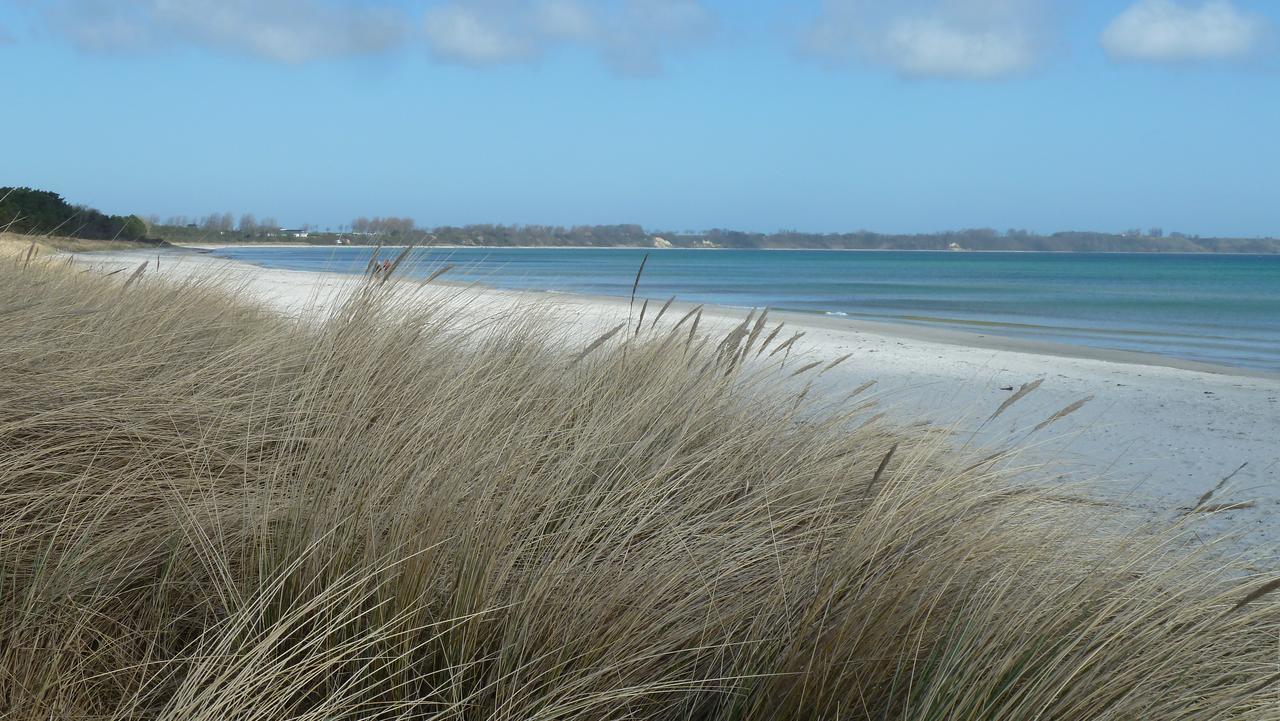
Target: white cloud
[
  {"x": 472, "y": 36},
  {"x": 631, "y": 35},
  {"x": 931, "y": 47},
  {"x": 955, "y": 39},
  {"x": 291, "y": 31},
  {"x": 1168, "y": 31},
  {"x": 565, "y": 20}
]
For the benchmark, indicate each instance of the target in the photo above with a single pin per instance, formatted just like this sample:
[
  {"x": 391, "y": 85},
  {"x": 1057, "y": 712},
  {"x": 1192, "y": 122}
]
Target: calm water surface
[{"x": 1215, "y": 308}]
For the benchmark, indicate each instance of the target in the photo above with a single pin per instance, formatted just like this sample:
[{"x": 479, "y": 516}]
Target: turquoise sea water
[{"x": 1221, "y": 309}]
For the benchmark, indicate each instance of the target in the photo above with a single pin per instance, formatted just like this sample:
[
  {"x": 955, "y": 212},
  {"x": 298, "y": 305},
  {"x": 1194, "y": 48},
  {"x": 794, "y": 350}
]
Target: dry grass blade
[
  {"x": 872, "y": 421},
  {"x": 437, "y": 273},
  {"x": 1209, "y": 495},
  {"x": 789, "y": 342},
  {"x": 693, "y": 327},
  {"x": 756, "y": 330},
  {"x": 640, "y": 323},
  {"x": 880, "y": 469},
  {"x": 395, "y": 265},
  {"x": 1072, "y": 408},
  {"x": 986, "y": 460},
  {"x": 15, "y": 307},
  {"x": 1257, "y": 688},
  {"x": 597, "y": 343},
  {"x": 136, "y": 273},
  {"x": 1263, "y": 590},
  {"x": 859, "y": 390},
  {"x": 693, "y": 312},
  {"x": 371, "y": 268},
  {"x": 1224, "y": 507},
  {"x": 1023, "y": 392},
  {"x": 662, "y": 311},
  {"x": 636, "y": 284},
  {"x": 770, "y": 338},
  {"x": 731, "y": 342},
  {"x": 837, "y": 362},
  {"x": 805, "y": 368}
]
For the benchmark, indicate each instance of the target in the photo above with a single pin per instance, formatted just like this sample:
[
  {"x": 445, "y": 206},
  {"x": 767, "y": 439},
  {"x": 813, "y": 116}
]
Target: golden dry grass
[
  {"x": 211, "y": 512},
  {"x": 15, "y": 244}
]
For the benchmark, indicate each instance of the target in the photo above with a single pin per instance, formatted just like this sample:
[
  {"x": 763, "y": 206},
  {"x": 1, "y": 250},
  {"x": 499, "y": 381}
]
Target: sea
[{"x": 1220, "y": 309}]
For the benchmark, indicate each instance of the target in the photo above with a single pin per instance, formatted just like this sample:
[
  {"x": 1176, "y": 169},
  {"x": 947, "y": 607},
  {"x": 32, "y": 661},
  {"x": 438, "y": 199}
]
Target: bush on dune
[
  {"x": 208, "y": 511},
  {"x": 41, "y": 212}
]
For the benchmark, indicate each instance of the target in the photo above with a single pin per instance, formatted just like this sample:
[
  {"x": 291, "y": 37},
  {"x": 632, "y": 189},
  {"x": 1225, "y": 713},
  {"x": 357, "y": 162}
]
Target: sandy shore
[{"x": 1157, "y": 434}]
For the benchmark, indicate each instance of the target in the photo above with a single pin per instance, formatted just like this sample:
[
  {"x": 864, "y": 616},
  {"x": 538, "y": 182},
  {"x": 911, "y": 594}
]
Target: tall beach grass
[{"x": 209, "y": 511}]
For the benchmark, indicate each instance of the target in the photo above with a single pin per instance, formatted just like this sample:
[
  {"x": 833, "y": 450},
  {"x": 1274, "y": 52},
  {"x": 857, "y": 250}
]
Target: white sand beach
[{"x": 1157, "y": 434}]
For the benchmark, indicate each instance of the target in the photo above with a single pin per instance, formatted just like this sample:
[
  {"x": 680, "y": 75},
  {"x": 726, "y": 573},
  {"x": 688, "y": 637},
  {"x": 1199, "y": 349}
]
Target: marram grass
[{"x": 211, "y": 512}]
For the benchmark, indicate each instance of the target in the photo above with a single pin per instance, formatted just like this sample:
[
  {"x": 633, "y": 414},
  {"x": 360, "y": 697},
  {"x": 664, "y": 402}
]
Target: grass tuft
[{"x": 209, "y": 511}]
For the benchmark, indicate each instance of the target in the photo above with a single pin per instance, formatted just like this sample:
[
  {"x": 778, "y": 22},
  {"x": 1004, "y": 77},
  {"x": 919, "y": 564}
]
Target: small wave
[{"x": 841, "y": 314}]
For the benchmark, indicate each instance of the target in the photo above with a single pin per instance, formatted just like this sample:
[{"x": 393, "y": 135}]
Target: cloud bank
[
  {"x": 1168, "y": 31},
  {"x": 950, "y": 39},
  {"x": 631, "y": 35},
  {"x": 976, "y": 40},
  {"x": 289, "y": 31}
]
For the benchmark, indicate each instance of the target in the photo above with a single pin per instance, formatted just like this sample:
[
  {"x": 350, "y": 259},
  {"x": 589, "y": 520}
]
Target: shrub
[{"x": 40, "y": 212}]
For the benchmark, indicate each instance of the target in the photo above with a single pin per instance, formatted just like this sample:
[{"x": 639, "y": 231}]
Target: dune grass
[
  {"x": 14, "y": 243},
  {"x": 208, "y": 511}
]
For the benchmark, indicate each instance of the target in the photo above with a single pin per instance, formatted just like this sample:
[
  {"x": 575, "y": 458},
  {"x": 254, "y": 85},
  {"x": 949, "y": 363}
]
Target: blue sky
[{"x": 817, "y": 115}]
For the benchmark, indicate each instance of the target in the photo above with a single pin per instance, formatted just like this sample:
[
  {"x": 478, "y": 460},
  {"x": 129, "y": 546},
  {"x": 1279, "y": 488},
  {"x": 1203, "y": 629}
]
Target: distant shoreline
[{"x": 966, "y": 251}]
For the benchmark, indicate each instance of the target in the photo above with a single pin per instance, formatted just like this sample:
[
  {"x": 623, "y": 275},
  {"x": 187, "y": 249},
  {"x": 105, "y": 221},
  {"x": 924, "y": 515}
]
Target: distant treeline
[
  {"x": 218, "y": 222},
  {"x": 400, "y": 230},
  {"x": 543, "y": 235},
  {"x": 40, "y": 212},
  {"x": 978, "y": 239},
  {"x": 371, "y": 231},
  {"x": 23, "y": 210}
]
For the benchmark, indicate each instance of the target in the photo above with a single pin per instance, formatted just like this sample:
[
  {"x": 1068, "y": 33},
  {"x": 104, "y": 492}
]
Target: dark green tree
[{"x": 41, "y": 212}]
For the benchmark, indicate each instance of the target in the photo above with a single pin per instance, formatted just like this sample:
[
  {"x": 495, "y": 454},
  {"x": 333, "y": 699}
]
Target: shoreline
[
  {"x": 1151, "y": 437},
  {"x": 647, "y": 248},
  {"x": 932, "y": 334},
  {"x": 918, "y": 332}
]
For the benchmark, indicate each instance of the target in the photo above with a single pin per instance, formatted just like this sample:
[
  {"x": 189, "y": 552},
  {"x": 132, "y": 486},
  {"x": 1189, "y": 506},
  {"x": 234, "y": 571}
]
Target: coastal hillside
[{"x": 209, "y": 510}]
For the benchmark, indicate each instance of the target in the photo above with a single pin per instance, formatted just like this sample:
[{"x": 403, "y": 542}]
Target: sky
[{"x": 811, "y": 115}]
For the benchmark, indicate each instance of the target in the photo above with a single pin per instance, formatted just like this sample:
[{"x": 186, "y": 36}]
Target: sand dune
[{"x": 1155, "y": 436}]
